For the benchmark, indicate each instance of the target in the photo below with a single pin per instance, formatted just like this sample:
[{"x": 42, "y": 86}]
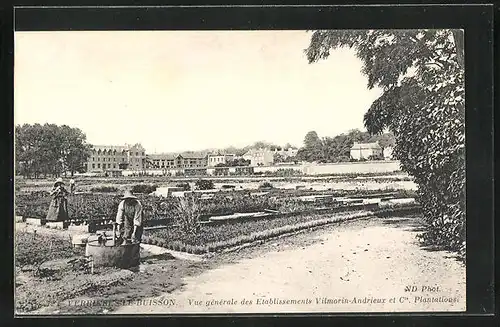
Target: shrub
[
  {"x": 188, "y": 216},
  {"x": 266, "y": 185},
  {"x": 225, "y": 186},
  {"x": 204, "y": 184},
  {"x": 375, "y": 157},
  {"x": 184, "y": 186},
  {"x": 144, "y": 188}
]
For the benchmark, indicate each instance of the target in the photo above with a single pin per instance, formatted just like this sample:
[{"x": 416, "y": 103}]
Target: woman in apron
[{"x": 58, "y": 208}]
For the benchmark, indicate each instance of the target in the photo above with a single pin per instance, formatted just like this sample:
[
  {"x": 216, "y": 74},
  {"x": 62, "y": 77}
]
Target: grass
[{"x": 34, "y": 249}]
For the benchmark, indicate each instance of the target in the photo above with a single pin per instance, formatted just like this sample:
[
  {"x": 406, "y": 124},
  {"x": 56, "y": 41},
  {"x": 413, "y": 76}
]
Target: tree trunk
[{"x": 458, "y": 37}]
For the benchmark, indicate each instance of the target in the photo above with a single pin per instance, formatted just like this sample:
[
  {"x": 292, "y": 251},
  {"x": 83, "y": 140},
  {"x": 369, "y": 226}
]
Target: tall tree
[
  {"x": 74, "y": 150},
  {"x": 421, "y": 74},
  {"x": 49, "y": 149},
  {"x": 312, "y": 140}
]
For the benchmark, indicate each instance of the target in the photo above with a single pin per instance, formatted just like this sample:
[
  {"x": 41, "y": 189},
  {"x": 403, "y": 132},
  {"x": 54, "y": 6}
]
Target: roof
[
  {"x": 117, "y": 147},
  {"x": 193, "y": 155},
  {"x": 363, "y": 146},
  {"x": 171, "y": 156},
  {"x": 161, "y": 156},
  {"x": 110, "y": 147},
  {"x": 217, "y": 154}
]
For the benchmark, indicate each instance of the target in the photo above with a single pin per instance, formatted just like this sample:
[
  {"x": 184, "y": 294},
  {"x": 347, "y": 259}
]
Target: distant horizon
[
  {"x": 177, "y": 91},
  {"x": 210, "y": 148}
]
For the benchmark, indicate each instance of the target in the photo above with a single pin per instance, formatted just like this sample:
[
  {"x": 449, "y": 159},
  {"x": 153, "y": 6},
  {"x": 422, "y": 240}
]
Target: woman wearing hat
[
  {"x": 58, "y": 208},
  {"x": 129, "y": 218}
]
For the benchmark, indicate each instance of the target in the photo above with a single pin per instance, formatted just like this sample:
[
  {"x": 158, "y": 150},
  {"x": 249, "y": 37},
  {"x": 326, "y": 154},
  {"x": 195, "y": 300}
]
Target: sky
[{"x": 186, "y": 90}]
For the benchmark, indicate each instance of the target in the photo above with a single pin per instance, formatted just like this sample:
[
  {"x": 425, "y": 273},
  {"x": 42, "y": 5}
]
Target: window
[
  {"x": 114, "y": 165},
  {"x": 137, "y": 153},
  {"x": 98, "y": 165},
  {"x": 93, "y": 165}
]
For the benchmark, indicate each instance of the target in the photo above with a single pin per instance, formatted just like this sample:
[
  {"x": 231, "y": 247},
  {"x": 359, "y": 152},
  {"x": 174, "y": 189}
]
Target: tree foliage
[
  {"x": 421, "y": 74},
  {"x": 49, "y": 150},
  {"x": 338, "y": 148}
]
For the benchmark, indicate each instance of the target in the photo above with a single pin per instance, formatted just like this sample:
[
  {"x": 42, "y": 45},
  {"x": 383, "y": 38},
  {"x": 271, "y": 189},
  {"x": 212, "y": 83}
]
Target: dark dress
[{"x": 58, "y": 208}]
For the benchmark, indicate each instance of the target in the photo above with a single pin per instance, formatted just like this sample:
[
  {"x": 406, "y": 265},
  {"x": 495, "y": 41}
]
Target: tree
[
  {"x": 313, "y": 148},
  {"x": 421, "y": 74},
  {"x": 261, "y": 145},
  {"x": 49, "y": 149},
  {"x": 278, "y": 158},
  {"x": 311, "y": 140},
  {"x": 75, "y": 151},
  {"x": 385, "y": 140}
]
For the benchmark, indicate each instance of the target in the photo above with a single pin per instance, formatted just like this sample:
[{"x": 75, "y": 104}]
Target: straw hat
[
  {"x": 58, "y": 181},
  {"x": 128, "y": 195}
]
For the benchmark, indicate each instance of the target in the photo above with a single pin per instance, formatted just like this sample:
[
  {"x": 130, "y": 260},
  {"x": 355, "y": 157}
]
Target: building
[
  {"x": 286, "y": 153},
  {"x": 160, "y": 161},
  {"x": 388, "y": 153},
  {"x": 111, "y": 158},
  {"x": 176, "y": 161},
  {"x": 191, "y": 160},
  {"x": 259, "y": 157},
  {"x": 365, "y": 151},
  {"x": 215, "y": 159}
]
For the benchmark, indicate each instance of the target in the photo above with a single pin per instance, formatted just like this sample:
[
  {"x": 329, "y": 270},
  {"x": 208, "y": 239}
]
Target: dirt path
[{"x": 371, "y": 261}]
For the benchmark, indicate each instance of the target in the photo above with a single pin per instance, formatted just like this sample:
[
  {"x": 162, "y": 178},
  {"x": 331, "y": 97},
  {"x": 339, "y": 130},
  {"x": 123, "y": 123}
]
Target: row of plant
[
  {"x": 406, "y": 209},
  {"x": 205, "y": 239},
  {"x": 98, "y": 206}
]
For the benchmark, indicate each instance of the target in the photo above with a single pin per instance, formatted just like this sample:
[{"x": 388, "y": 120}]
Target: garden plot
[
  {"x": 49, "y": 269},
  {"x": 368, "y": 184},
  {"x": 240, "y": 216}
]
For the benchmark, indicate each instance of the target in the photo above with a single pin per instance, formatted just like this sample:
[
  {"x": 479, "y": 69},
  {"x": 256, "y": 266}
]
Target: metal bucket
[{"x": 111, "y": 255}]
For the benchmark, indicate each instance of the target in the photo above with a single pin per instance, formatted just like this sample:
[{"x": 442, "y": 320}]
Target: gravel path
[{"x": 361, "y": 266}]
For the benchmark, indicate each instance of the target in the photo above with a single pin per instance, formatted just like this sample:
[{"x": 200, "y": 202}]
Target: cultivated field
[{"x": 237, "y": 214}]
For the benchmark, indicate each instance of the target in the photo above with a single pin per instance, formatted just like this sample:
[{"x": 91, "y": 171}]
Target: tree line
[
  {"x": 338, "y": 148},
  {"x": 49, "y": 150}
]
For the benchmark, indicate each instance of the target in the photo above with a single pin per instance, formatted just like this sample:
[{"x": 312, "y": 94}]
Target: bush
[
  {"x": 104, "y": 189},
  {"x": 144, "y": 188},
  {"x": 204, "y": 184},
  {"x": 266, "y": 185},
  {"x": 375, "y": 157},
  {"x": 184, "y": 186}
]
